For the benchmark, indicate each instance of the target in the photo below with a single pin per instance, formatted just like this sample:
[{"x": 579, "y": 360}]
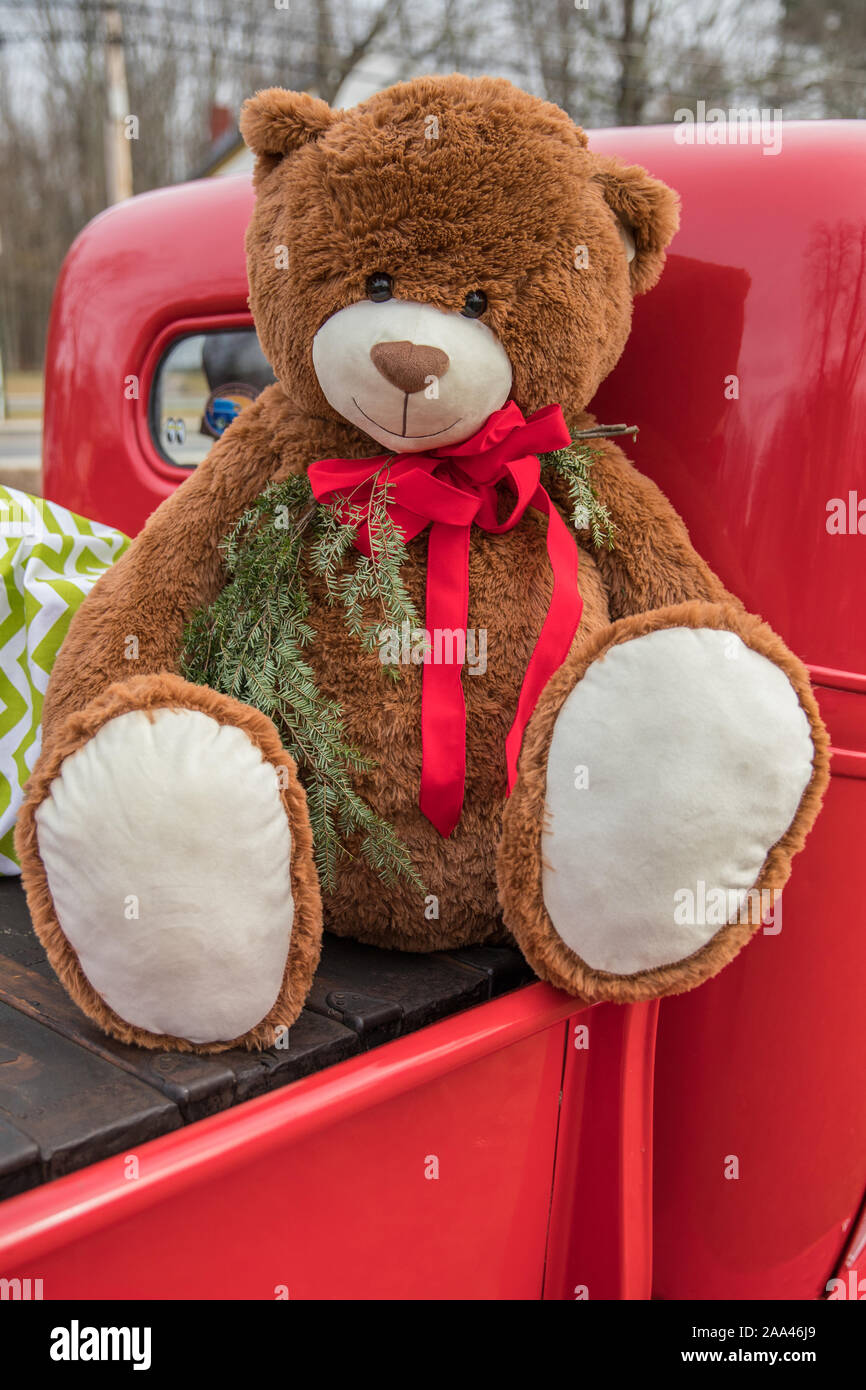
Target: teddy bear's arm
[
  {"x": 132, "y": 621},
  {"x": 653, "y": 563}
]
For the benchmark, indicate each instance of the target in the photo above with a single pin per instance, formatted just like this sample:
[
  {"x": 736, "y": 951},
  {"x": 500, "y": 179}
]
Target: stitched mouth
[{"x": 430, "y": 434}]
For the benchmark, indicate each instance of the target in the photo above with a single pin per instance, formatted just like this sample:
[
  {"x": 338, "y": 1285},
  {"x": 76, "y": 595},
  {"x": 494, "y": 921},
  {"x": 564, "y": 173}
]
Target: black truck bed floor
[{"x": 70, "y": 1096}]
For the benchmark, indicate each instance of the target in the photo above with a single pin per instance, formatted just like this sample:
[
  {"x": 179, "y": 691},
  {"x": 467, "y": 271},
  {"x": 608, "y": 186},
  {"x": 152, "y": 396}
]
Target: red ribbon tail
[
  {"x": 557, "y": 633},
  {"x": 443, "y": 707}
]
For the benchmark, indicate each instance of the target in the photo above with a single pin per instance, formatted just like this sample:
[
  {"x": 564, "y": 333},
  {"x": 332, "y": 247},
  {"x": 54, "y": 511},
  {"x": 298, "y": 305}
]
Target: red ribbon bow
[{"x": 452, "y": 487}]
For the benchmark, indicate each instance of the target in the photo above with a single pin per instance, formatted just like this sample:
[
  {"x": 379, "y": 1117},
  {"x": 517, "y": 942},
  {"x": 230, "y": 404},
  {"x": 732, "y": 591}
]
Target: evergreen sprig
[
  {"x": 574, "y": 465},
  {"x": 375, "y": 579},
  {"x": 251, "y": 643}
]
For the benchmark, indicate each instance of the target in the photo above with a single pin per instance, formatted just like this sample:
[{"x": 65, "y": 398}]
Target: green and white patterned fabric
[{"x": 49, "y": 560}]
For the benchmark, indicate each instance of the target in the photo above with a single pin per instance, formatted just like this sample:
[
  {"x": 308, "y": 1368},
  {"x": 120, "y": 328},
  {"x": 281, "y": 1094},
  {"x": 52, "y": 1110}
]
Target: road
[{"x": 21, "y": 453}]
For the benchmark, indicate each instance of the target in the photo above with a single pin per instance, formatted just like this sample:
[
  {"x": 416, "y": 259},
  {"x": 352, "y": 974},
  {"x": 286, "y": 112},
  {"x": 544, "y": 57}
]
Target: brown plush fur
[{"x": 499, "y": 201}]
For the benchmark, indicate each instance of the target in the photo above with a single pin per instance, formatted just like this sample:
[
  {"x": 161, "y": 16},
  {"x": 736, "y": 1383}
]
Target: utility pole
[
  {"x": 118, "y": 150},
  {"x": 325, "y": 64}
]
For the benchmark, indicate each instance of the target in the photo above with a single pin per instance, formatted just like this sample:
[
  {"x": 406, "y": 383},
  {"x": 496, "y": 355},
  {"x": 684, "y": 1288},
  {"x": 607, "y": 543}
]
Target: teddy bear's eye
[
  {"x": 475, "y": 304},
  {"x": 380, "y": 287}
]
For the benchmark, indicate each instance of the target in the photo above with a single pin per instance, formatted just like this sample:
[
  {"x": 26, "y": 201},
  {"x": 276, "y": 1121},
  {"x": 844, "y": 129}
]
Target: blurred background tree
[{"x": 187, "y": 70}]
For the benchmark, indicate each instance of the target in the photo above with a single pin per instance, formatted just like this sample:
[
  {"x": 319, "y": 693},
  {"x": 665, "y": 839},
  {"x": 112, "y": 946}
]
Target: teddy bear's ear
[
  {"x": 648, "y": 215},
  {"x": 275, "y": 122}
]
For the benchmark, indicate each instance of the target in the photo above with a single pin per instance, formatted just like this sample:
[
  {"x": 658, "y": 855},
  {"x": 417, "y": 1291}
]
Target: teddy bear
[{"x": 440, "y": 278}]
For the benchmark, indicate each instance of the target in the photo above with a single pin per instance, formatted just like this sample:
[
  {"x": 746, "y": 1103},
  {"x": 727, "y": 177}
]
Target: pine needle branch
[
  {"x": 574, "y": 464},
  {"x": 250, "y": 644}
]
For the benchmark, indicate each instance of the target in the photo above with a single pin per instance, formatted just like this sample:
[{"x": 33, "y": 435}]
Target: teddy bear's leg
[
  {"x": 167, "y": 856},
  {"x": 671, "y": 767}
]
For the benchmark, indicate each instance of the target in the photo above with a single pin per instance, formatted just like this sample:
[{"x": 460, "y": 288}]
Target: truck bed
[{"x": 70, "y": 1096}]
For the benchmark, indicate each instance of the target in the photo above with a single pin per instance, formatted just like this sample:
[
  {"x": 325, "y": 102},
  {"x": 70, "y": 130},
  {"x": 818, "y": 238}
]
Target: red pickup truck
[{"x": 443, "y": 1127}]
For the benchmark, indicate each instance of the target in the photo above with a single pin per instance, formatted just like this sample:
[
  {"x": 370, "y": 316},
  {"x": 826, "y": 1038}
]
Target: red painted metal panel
[
  {"x": 844, "y": 713},
  {"x": 600, "y": 1244},
  {"x": 849, "y": 1280},
  {"x": 155, "y": 263},
  {"x": 767, "y": 282},
  {"x": 322, "y": 1187},
  {"x": 767, "y": 1063}
]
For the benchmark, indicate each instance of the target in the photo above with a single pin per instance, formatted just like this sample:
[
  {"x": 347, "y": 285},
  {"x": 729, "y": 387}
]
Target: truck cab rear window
[{"x": 202, "y": 382}]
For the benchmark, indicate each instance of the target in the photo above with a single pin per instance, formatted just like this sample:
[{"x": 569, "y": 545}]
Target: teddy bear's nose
[{"x": 409, "y": 366}]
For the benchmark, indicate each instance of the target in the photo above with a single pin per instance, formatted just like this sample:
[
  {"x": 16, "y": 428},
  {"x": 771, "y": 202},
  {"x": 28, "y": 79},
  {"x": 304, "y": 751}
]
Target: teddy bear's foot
[
  {"x": 666, "y": 772},
  {"x": 167, "y": 857}
]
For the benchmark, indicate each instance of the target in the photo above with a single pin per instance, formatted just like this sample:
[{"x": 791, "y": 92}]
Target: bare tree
[
  {"x": 626, "y": 62},
  {"x": 180, "y": 63},
  {"x": 819, "y": 61},
  {"x": 605, "y": 61},
  {"x": 336, "y": 59}
]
